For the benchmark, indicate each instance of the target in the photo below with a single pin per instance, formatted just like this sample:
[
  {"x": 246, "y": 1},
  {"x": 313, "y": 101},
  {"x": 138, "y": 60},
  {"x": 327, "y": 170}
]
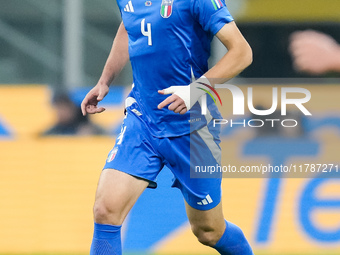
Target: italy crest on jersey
[
  {"x": 112, "y": 155},
  {"x": 166, "y": 8}
]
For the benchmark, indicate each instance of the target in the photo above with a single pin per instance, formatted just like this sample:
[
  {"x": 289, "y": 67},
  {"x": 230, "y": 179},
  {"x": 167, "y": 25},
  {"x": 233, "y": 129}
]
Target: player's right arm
[{"x": 119, "y": 55}]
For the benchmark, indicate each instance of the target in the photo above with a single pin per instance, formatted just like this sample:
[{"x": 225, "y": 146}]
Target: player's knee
[
  {"x": 103, "y": 214},
  {"x": 206, "y": 235},
  {"x": 100, "y": 212}
]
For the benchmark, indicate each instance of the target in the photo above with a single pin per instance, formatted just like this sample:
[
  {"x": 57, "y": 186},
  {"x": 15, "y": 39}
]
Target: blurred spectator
[
  {"x": 70, "y": 120},
  {"x": 314, "y": 52}
]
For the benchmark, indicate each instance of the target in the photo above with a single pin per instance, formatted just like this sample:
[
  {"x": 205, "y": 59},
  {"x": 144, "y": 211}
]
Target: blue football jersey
[{"x": 169, "y": 43}]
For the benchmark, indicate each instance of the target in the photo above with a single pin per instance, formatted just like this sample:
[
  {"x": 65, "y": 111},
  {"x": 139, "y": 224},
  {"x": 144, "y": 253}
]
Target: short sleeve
[{"x": 211, "y": 14}]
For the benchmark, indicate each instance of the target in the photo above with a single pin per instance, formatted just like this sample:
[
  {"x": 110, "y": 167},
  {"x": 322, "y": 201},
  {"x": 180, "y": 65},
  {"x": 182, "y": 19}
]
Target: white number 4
[
  {"x": 147, "y": 32},
  {"x": 121, "y": 135}
]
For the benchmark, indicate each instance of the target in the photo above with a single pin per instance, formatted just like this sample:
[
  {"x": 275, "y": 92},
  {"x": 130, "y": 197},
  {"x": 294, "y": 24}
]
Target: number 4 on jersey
[
  {"x": 120, "y": 136},
  {"x": 147, "y": 32}
]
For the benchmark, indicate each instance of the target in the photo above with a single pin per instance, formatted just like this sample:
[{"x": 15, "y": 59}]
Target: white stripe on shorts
[{"x": 208, "y": 138}]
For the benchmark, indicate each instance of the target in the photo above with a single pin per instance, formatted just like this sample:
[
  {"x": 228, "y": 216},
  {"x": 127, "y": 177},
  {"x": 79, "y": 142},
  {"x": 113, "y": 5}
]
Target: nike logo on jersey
[
  {"x": 129, "y": 7},
  {"x": 205, "y": 201}
]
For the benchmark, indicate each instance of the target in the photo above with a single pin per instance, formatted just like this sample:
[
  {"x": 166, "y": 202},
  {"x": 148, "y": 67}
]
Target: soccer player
[{"x": 168, "y": 43}]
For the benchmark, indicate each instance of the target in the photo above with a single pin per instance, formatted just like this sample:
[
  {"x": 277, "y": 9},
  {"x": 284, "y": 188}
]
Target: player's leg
[
  {"x": 212, "y": 230},
  {"x": 202, "y": 190},
  {"x": 208, "y": 226},
  {"x": 138, "y": 165},
  {"x": 117, "y": 192}
]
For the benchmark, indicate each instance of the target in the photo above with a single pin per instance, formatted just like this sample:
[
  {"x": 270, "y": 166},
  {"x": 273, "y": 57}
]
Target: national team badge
[
  {"x": 166, "y": 8},
  {"x": 112, "y": 155},
  {"x": 148, "y": 3}
]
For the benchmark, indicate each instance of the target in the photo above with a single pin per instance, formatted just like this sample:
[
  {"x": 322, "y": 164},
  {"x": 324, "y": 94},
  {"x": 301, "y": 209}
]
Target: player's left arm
[{"x": 238, "y": 57}]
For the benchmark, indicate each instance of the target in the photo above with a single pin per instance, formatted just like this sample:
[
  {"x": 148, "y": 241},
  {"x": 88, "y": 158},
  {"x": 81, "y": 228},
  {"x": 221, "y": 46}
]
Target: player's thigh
[
  {"x": 116, "y": 194},
  {"x": 203, "y": 221}
]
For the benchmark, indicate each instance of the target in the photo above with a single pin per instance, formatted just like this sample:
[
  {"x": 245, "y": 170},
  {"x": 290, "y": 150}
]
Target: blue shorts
[{"x": 142, "y": 155}]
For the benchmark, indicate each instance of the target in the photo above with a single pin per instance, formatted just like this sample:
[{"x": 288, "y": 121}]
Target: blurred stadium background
[{"x": 47, "y": 184}]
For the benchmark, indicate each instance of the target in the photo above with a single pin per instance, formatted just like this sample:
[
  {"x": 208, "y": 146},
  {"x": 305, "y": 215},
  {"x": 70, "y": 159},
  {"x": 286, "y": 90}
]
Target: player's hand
[
  {"x": 313, "y": 52},
  {"x": 176, "y": 101},
  {"x": 184, "y": 97},
  {"x": 91, "y": 100}
]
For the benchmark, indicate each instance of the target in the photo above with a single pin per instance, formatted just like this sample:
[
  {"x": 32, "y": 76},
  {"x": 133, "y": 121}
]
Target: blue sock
[
  {"x": 233, "y": 242},
  {"x": 106, "y": 240}
]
